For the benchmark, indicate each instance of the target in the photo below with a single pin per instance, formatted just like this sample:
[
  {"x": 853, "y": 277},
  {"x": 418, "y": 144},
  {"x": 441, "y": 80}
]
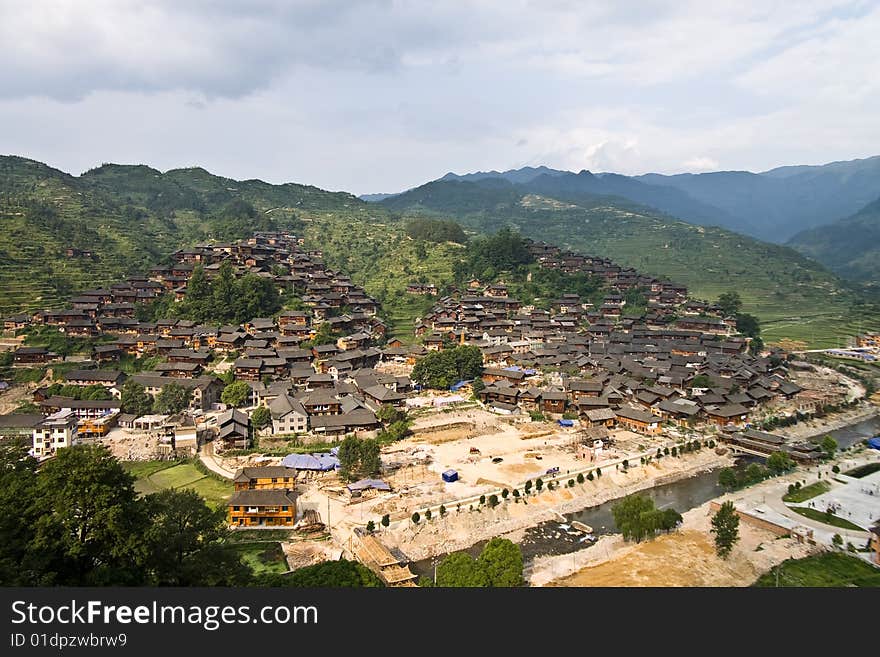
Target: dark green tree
[
  {"x": 459, "y": 569},
  {"x": 135, "y": 399},
  {"x": 90, "y": 524},
  {"x": 725, "y": 526},
  {"x": 501, "y": 560},
  {"x": 185, "y": 543},
  {"x": 727, "y": 478},
  {"x": 261, "y": 417},
  {"x": 172, "y": 398},
  {"x": 18, "y": 513},
  {"x": 236, "y": 394},
  {"x": 829, "y": 446}
]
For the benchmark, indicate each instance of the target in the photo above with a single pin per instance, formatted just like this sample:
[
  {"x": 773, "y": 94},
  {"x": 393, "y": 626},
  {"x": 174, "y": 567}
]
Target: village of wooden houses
[{"x": 558, "y": 396}]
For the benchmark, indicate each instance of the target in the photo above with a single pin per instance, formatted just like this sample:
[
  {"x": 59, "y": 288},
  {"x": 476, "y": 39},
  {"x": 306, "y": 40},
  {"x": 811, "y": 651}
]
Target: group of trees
[
  {"x": 172, "y": 398},
  {"x": 435, "y": 230},
  {"x": 487, "y": 255},
  {"x": 500, "y": 564},
  {"x": 441, "y": 369},
  {"x": 227, "y": 298},
  {"x": 637, "y": 518},
  {"x": 731, "y": 305},
  {"x": 92, "y": 392},
  {"x": 328, "y": 574},
  {"x": 77, "y": 521},
  {"x": 777, "y": 464},
  {"x": 358, "y": 458}
]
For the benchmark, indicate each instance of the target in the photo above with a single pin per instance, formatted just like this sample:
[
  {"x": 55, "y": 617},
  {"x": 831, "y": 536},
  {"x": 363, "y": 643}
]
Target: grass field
[
  {"x": 821, "y": 516},
  {"x": 863, "y": 470},
  {"x": 829, "y": 569},
  {"x": 808, "y": 492},
  {"x": 263, "y": 557},
  {"x": 154, "y": 476}
]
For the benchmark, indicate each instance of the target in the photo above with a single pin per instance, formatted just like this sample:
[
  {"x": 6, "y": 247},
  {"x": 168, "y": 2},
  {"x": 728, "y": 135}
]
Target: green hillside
[
  {"x": 795, "y": 297},
  {"x": 850, "y": 247},
  {"x": 132, "y": 217}
]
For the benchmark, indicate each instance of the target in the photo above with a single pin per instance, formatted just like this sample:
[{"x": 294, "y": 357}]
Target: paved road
[{"x": 207, "y": 457}]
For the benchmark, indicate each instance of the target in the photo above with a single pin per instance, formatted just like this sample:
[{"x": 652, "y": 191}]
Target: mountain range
[
  {"x": 772, "y": 205},
  {"x": 64, "y": 233}
]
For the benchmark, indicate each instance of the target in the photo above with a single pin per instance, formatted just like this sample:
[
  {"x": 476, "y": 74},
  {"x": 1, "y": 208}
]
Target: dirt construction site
[{"x": 489, "y": 453}]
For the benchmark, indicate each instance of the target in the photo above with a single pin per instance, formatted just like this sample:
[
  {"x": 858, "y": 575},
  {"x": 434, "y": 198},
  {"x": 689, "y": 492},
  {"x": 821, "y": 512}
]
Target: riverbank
[
  {"x": 685, "y": 557},
  {"x": 817, "y": 428},
  {"x": 459, "y": 530}
]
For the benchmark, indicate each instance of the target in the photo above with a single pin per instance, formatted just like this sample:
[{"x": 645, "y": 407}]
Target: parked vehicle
[{"x": 554, "y": 470}]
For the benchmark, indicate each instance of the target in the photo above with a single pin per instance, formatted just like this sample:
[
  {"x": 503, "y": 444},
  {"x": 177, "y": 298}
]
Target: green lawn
[
  {"x": 828, "y": 569},
  {"x": 259, "y": 535},
  {"x": 808, "y": 492},
  {"x": 142, "y": 469},
  {"x": 821, "y": 516},
  {"x": 263, "y": 557},
  {"x": 154, "y": 476},
  {"x": 863, "y": 470}
]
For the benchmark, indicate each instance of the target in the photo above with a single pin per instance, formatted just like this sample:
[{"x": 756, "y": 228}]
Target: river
[
  {"x": 854, "y": 433},
  {"x": 555, "y": 537}
]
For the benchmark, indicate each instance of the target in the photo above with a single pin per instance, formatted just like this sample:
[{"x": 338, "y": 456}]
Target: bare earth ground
[
  {"x": 683, "y": 558},
  {"x": 462, "y": 528}
]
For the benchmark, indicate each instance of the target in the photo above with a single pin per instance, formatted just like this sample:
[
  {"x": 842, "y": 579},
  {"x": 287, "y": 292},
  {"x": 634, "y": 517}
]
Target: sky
[{"x": 382, "y": 95}]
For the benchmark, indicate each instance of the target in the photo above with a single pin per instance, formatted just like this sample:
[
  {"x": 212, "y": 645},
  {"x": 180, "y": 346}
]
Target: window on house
[{"x": 284, "y": 508}]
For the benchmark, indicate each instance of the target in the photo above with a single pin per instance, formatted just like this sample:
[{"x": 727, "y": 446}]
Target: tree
[
  {"x": 837, "y": 541},
  {"x": 779, "y": 462},
  {"x": 371, "y": 526},
  {"x": 580, "y": 477},
  {"x": 428, "y": 515},
  {"x": 502, "y": 561},
  {"x": 633, "y": 517},
  {"x": 725, "y": 526},
  {"x": 482, "y": 499},
  {"x": 441, "y": 369},
  {"x": 477, "y": 387},
  {"x": 135, "y": 399},
  {"x": 358, "y": 458},
  {"x": 590, "y": 476},
  {"x": 386, "y": 520},
  {"x": 835, "y": 469},
  {"x": 528, "y": 486},
  {"x": 172, "y": 398},
  {"x": 493, "y": 501},
  {"x": 236, "y": 394},
  {"x": 415, "y": 518},
  {"x": 459, "y": 569},
  {"x": 261, "y": 417},
  {"x": 730, "y": 303},
  {"x": 505, "y": 493},
  {"x": 18, "y": 482},
  {"x": 727, "y": 478},
  {"x": 185, "y": 543},
  {"x": 701, "y": 381},
  {"x": 539, "y": 484},
  {"x": 327, "y": 574},
  {"x": 598, "y": 472},
  {"x": 829, "y": 446},
  {"x": 442, "y": 510},
  {"x": 90, "y": 523}
]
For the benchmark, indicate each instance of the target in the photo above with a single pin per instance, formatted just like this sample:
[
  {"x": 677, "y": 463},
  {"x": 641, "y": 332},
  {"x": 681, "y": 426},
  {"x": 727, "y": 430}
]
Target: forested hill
[
  {"x": 795, "y": 296},
  {"x": 62, "y": 234},
  {"x": 850, "y": 247},
  {"x": 120, "y": 219}
]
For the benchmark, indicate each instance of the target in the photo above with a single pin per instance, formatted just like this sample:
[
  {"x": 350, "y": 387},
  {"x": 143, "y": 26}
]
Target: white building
[{"x": 54, "y": 432}]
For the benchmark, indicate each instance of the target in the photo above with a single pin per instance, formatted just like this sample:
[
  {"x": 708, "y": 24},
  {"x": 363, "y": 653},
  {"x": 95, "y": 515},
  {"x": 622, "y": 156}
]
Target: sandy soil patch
[{"x": 682, "y": 558}]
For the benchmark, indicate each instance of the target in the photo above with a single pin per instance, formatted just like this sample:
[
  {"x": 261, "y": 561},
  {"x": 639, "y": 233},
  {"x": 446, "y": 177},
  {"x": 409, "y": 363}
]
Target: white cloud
[{"x": 381, "y": 95}]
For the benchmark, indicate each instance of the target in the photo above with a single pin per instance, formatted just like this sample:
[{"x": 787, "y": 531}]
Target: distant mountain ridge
[
  {"x": 773, "y": 205},
  {"x": 850, "y": 246}
]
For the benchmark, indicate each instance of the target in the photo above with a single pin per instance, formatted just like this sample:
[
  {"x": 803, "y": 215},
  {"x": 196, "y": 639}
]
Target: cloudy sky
[{"x": 378, "y": 96}]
